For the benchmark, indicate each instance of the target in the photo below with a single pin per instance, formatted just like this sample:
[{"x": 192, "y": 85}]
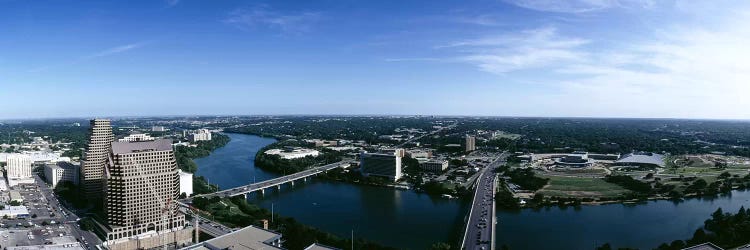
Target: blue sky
[{"x": 583, "y": 58}]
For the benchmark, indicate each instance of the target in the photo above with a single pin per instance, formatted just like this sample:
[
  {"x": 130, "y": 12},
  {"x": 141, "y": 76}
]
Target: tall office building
[
  {"x": 384, "y": 165},
  {"x": 19, "y": 166},
  {"x": 95, "y": 159},
  {"x": 142, "y": 184},
  {"x": 470, "y": 143}
]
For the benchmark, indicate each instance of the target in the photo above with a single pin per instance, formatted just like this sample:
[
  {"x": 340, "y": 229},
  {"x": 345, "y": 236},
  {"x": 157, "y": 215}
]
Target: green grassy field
[{"x": 580, "y": 187}]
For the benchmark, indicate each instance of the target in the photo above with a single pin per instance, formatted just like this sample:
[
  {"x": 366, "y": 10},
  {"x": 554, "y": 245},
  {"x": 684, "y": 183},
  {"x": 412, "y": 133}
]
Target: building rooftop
[
  {"x": 704, "y": 246},
  {"x": 316, "y": 246},
  {"x": 248, "y": 238},
  {"x": 119, "y": 147},
  {"x": 642, "y": 158}
]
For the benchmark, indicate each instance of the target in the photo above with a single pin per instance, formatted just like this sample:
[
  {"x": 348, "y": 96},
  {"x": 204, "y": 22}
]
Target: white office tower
[{"x": 19, "y": 166}]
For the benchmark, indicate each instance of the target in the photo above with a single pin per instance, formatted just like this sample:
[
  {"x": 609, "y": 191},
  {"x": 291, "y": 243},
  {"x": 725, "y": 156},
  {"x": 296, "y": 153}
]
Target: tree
[
  {"x": 440, "y": 246},
  {"x": 725, "y": 175},
  {"x": 15, "y": 203},
  {"x": 606, "y": 246}
]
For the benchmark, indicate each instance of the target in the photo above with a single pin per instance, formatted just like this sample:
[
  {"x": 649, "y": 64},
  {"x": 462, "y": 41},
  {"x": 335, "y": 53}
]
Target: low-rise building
[
  {"x": 61, "y": 171},
  {"x": 292, "y": 152},
  {"x": 641, "y": 159},
  {"x": 420, "y": 153},
  {"x": 435, "y": 166},
  {"x": 322, "y": 143},
  {"x": 14, "y": 212},
  {"x": 15, "y": 196},
  {"x": 158, "y": 129},
  {"x": 200, "y": 135}
]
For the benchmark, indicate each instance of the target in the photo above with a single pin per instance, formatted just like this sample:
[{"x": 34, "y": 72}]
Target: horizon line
[{"x": 118, "y": 117}]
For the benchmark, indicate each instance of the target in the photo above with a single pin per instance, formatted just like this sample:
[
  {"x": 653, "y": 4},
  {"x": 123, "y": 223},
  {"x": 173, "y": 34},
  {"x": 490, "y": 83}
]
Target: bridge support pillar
[
  {"x": 262, "y": 191},
  {"x": 292, "y": 183},
  {"x": 246, "y": 195},
  {"x": 278, "y": 187}
]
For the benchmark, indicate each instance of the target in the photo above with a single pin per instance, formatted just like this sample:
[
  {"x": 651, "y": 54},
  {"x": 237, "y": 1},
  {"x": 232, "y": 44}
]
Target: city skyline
[{"x": 529, "y": 58}]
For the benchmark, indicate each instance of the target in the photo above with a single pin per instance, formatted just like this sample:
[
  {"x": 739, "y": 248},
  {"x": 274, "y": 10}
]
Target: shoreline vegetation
[
  {"x": 274, "y": 163},
  {"x": 185, "y": 160},
  {"x": 726, "y": 230},
  {"x": 638, "y": 191}
]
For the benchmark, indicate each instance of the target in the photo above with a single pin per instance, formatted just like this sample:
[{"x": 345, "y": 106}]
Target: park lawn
[{"x": 580, "y": 187}]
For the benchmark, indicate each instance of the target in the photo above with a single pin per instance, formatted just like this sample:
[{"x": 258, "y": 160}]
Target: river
[
  {"x": 410, "y": 220},
  {"x": 398, "y": 218}
]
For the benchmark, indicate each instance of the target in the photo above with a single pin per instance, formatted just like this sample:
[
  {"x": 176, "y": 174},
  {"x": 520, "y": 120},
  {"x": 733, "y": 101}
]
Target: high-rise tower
[
  {"x": 95, "y": 159},
  {"x": 470, "y": 143},
  {"x": 142, "y": 184}
]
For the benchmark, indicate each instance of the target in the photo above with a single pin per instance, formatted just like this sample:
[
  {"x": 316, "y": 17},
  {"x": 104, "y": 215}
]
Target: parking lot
[{"x": 48, "y": 221}]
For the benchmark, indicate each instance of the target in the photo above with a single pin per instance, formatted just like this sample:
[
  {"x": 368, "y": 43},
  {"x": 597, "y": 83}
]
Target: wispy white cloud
[
  {"x": 678, "y": 70},
  {"x": 415, "y": 59},
  {"x": 116, "y": 50},
  {"x": 482, "y": 20},
  {"x": 525, "y": 50},
  {"x": 263, "y": 16},
  {"x": 580, "y": 6},
  {"x": 103, "y": 53},
  {"x": 172, "y": 2},
  {"x": 687, "y": 73}
]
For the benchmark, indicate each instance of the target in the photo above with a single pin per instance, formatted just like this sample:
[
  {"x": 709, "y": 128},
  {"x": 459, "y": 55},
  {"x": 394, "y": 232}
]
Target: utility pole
[
  {"x": 271, "y": 213},
  {"x": 352, "y": 239}
]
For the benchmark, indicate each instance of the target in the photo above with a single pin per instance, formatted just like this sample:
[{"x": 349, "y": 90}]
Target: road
[
  {"x": 207, "y": 226},
  {"x": 88, "y": 239},
  {"x": 422, "y": 136},
  {"x": 480, "y": 227}
]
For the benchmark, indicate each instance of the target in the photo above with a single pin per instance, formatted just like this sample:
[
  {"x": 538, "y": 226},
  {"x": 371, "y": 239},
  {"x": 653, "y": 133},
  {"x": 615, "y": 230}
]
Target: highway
[
  {"x": 480, "y": 227},
  {"x": 422, "y": 136}
]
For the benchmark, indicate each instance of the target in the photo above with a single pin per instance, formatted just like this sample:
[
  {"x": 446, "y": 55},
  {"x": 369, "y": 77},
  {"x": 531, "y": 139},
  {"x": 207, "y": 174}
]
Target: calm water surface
[
  {"x": 642, "y": 226},
  {"x": 407, "y": 219}
]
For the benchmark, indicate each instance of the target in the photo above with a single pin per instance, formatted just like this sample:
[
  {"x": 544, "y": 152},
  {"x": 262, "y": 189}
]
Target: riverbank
[
  {"x": 644, "y": 225},
  {"x": 185, "y": 157},
  {"x": 385, "y": 215}
]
